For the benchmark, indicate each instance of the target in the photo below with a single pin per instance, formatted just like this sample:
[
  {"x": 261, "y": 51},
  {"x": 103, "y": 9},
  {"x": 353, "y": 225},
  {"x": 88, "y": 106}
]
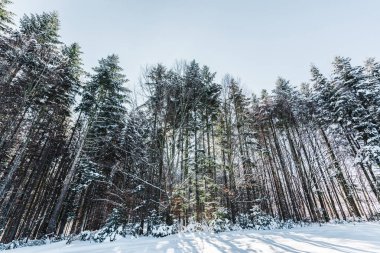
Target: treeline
[{"x": 76, "y": 152}]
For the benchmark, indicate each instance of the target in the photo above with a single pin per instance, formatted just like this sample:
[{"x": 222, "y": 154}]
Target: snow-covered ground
[{"x": 359, "y": 237}]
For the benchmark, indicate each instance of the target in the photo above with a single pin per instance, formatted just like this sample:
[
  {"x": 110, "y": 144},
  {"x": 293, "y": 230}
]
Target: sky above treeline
[{"x": 254, "y": 40}]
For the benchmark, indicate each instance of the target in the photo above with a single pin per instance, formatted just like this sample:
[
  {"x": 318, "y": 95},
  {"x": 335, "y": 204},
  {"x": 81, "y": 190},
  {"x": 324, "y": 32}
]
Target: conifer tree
[
  {"x": 6, "y": 17},
  {"x": 104, "y": 105}
]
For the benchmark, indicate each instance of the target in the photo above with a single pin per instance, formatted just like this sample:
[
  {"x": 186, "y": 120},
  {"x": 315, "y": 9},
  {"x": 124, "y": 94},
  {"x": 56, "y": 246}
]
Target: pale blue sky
[{"x": 254, "y": 40}]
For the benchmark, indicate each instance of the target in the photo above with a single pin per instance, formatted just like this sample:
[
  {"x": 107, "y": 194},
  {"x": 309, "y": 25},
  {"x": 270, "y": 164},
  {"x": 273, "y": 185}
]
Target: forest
[{"x": 78, "y": 152}]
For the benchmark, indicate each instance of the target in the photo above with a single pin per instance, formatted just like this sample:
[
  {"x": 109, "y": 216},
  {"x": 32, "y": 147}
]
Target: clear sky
[{"x": 254, "y": 40}]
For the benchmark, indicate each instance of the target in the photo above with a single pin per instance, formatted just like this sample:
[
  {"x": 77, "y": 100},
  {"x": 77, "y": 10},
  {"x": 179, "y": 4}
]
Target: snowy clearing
[{"x": 359, "y": 237}]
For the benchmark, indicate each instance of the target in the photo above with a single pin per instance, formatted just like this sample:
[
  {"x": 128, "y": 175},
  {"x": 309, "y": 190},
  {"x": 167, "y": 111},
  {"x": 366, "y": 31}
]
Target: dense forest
[{"x": 77, "y": 151}]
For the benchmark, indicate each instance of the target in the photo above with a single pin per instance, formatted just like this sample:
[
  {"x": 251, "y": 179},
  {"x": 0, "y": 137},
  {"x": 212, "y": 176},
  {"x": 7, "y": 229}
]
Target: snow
[{"x": 351, "y": 237}]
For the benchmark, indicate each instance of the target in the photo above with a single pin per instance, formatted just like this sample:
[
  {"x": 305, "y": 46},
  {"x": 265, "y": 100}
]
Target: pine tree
[
  {"x": 104, "y": 105},
  {"x": 6, "y": 17}
]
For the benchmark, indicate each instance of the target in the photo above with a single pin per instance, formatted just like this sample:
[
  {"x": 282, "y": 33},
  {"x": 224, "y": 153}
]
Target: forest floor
[{"x": 352, "y": 237}]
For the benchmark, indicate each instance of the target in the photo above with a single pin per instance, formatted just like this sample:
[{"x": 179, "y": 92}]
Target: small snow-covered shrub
[
  {"x": 162, "y": 230},
  {"x": 157, "y": 227},
  {"x": 193, "y": 226},
  {"x": 220, "y": 223},
  {"x": 287, "y": 224},
  {"x": 375, "y": 217},
  {"x": 85, "y": 235},
  {"x": 244, "y": 221},
  {"x": 258, "y": 220},
  {"x": 23, "y": 243},
  {"x": 115, "y": 226}
]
